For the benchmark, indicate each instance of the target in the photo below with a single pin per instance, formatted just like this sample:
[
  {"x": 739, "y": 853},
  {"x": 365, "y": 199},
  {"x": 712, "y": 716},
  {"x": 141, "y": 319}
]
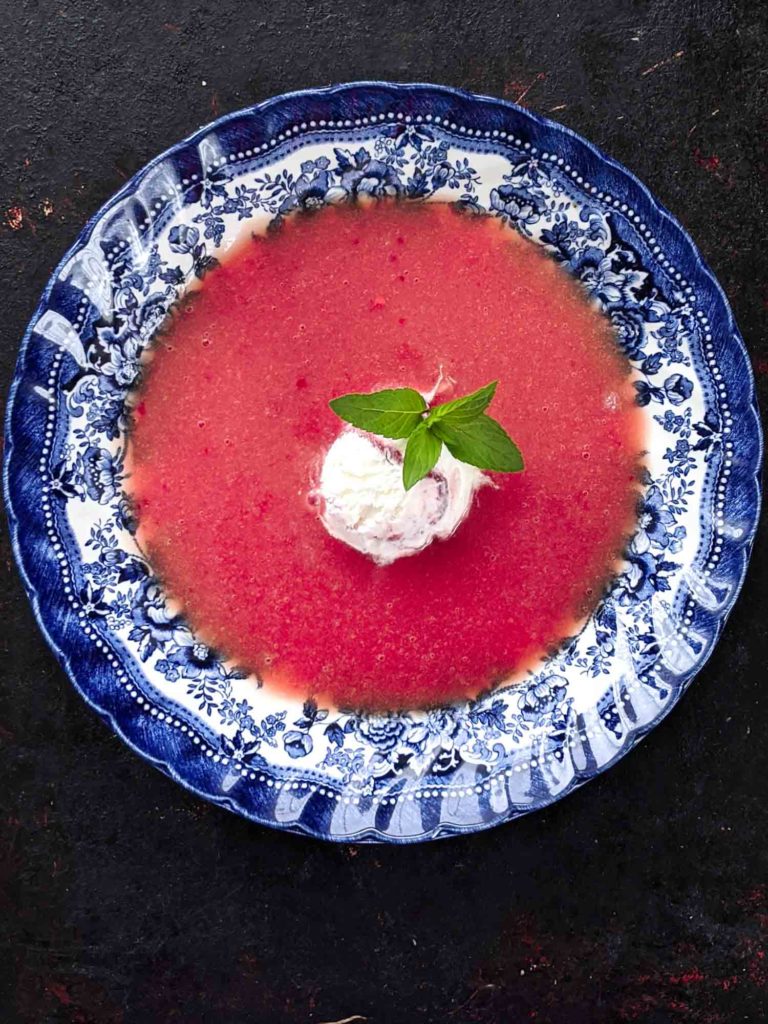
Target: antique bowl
[{"x": 397, "y": 777}]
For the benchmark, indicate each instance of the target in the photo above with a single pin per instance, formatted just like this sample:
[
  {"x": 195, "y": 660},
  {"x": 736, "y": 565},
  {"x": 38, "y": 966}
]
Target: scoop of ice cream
[{"x": 365, "y": 504}]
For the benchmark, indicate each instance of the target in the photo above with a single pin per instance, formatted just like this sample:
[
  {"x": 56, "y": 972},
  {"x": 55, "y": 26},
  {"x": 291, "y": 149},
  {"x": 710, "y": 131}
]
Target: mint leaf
[
  {"x": 469, "y": 434},
  {"x": 482, "y": 442},
  {"x": 462, "y": 410},
  {"x": 421, "y": 454},
  {"x": 391, "y": 413}
]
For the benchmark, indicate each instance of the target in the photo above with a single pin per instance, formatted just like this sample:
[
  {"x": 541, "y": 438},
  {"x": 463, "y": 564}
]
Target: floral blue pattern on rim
[{"x": 397, "y": 778}]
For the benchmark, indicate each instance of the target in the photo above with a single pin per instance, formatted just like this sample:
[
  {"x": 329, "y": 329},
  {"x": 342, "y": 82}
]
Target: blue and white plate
[{"x": 405, "y": 777}]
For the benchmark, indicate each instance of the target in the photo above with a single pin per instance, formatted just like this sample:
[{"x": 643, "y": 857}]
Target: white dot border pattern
[{"x": 312, "y": 128}]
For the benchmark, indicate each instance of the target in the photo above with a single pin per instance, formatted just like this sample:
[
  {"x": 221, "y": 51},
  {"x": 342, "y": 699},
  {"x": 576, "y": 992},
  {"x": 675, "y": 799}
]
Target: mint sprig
[
  {"x": 393, "y": 413},
  {"x": 462, "y": 425},
  {"x": 421, "y": 454}
]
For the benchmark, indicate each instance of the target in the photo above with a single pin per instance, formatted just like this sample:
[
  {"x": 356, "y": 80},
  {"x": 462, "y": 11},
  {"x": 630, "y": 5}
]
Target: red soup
[{"x": 232, "y": 422}]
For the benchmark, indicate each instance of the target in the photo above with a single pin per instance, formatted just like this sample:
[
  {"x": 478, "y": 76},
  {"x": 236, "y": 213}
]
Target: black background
[{"x": 640, "y": 898}]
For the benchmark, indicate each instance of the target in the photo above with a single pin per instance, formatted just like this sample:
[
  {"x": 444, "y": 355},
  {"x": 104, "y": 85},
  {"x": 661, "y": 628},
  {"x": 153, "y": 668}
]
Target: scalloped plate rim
[{"x": 371, "y": 834}]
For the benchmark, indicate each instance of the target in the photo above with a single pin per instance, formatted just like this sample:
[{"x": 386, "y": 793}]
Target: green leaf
[
  {"x": 482, "y": 442},
  {"x": 421, "y": 454},
  {"x": 462, "y": 425},
  {"x": 463, "y": 410},
  {"x": 391, "y": 413}
]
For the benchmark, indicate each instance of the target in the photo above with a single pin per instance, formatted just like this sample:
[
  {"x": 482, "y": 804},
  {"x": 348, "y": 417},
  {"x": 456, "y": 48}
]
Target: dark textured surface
[{"x": 643, "y": 897}]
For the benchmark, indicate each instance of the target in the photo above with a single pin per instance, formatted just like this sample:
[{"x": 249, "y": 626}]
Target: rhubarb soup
[{"x": 278, "y": 528}]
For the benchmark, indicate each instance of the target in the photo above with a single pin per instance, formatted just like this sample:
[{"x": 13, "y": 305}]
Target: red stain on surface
[
  {"x": 512, "y": 88},
  {"x": 170, "y": 26},
  {"x": 757, "y": 970},
  {"x": 516, "y": 90},
  {"x": 757, "y": 896},
  {"x": 689, "y": 977},
  {"x": 535, "y": 957},
  {"x": 634, "y": 1009},
  {"x": 700, "y": 979},
  {"x": 14, "y": 218},
  {"x": 756, "y": 900},
  {"x": 72, "y": 998},
  {"x": 215, "y": 108},
  {"x": 709, "y": 163},
  {"x": 59, "y": 992},
  {"x": 702, "y": 1000}
]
